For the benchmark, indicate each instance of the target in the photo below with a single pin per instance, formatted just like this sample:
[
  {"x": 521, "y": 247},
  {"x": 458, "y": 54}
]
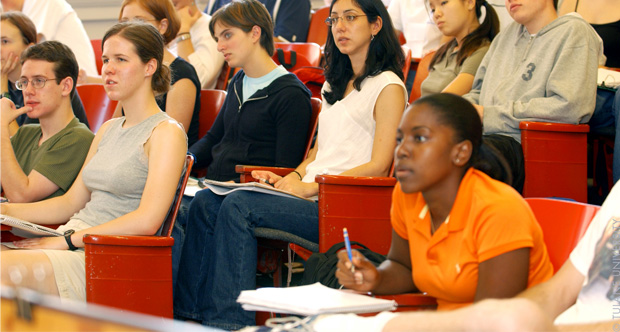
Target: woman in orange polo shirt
[{"x": 458, "y": 234}]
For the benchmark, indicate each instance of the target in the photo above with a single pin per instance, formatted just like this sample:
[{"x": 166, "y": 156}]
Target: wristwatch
[
  {"x": 183, "y": 36},
  {"x": 68, "y": 239},
  {"x": 6, "y": 95}
]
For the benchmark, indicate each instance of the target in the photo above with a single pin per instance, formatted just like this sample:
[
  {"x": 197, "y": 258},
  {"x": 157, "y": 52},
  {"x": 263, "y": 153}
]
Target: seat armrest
[
  {"x": 128, "y": 241},
  {"x": 375, "y": 181},
  {"x": 362, "y": 204},
  {"x": 557, "y": 127},
  {"x": 555, "y": 159},
  {"x": 245, "y": 171}
]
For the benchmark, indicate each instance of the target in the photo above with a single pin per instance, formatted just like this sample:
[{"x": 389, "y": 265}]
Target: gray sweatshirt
[{"x": 548, "y": 77}]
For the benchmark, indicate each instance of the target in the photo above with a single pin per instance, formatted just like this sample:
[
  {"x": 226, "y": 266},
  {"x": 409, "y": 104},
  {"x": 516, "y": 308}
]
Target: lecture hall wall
[{"x": 98, "y": 15}]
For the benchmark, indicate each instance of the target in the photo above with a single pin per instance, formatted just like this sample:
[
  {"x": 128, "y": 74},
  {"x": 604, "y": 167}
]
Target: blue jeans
[
  {"x": 606, "y": 114},
  {"x": 218, "y": 258},
  {"x": 409, "y": 83},
  {"x": 178, "y": 233}
]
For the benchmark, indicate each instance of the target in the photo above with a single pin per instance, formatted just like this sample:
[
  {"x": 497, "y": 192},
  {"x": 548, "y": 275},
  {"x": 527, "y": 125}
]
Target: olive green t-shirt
[
  {"x": 59, "y": 158},
  {"x": 446, "y": 70}
]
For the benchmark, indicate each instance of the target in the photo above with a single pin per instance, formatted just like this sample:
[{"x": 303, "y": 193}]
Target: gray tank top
[{"x": 116, "y": 174}]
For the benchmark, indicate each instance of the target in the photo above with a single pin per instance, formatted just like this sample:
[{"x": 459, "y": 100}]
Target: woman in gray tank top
[{"x": 130, "y": 174}]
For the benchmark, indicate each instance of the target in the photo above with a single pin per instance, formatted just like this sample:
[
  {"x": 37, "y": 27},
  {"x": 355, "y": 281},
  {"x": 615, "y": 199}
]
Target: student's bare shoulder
[{"x": 168, "y": 129}]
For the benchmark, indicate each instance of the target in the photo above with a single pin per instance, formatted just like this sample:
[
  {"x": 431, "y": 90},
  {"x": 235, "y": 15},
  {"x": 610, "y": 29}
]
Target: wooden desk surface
[{"x": 49, "y": 314}]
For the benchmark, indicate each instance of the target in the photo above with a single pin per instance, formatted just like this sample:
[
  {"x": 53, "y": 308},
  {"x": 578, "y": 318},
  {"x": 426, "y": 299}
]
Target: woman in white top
[
  {"x": 195, "y": 44},
  {"x": 363, "y": 100},
  {"x": 129, "y": 177}
]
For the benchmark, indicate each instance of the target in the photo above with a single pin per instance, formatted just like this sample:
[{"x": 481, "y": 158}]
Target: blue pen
[{"x": 347, "y": 244}]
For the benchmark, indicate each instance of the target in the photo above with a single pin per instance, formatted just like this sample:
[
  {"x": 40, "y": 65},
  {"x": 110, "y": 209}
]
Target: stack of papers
[
  {"x": 311, "y": 300},
  {"x": 27, "y": 229},
  {"x": 225, "y": 188},
  {"x": 608, "y": 78}
]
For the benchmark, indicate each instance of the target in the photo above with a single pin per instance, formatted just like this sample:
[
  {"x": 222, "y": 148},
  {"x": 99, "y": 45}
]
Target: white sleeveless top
[{"x": 347, "y": 128}]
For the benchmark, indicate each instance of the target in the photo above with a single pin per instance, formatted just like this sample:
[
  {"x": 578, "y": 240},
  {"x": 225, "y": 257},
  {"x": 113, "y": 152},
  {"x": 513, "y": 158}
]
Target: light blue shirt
[{"x": 251, "y": 85}]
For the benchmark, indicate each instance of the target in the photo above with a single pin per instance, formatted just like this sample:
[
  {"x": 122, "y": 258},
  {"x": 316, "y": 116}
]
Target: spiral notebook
[
  {"x": 27, "y": 229},
  {"x": 311, "y": 300}
]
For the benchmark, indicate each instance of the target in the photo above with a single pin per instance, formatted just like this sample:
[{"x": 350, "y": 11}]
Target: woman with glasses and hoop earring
[{"x": 363, "y": 100}]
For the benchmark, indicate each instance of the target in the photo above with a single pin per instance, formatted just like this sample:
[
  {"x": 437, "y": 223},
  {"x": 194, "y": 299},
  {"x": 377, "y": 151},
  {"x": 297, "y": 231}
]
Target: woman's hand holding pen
[
  {"x": 366, "y": 276},
  {"x": 266, "y": 177}
]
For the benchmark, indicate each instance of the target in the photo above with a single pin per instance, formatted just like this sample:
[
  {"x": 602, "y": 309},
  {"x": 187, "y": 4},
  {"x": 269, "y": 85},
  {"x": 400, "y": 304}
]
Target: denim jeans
[
  {"x": 178, "y": 234},
  {"x": 606, "y": 114},
  {"x": 218, "y": 258}
]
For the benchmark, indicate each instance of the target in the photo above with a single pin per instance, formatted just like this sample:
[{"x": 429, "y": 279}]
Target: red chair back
[
  {"x": 99, "y": 108},
  {"x": 420, "y": 76},
  {"x": 306, "y": 55},
  {"x": 317, "y": 31},
  {"x": 401, "y": 38},
  {"x": 407, "y": 65},
  {"x": 314, "y": 122},
  {"x": 211, "y": 102},
  {"x": 96, "y": 44},
  {"x": 563, "y": 224},
  {"x": 313, "y": 78},
  {"x": 168, "y": 224},
  {"x": 222, "y": 79}
]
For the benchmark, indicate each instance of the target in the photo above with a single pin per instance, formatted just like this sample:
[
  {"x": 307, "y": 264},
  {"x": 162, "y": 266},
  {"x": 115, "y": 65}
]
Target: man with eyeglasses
[{"x": 42, "y": 160}]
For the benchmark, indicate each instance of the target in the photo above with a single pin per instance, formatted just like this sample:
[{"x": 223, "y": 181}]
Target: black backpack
[{"x": 321, "y": 267}]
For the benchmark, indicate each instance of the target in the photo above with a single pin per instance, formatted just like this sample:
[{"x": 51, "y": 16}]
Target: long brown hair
[
  {"x": 23, "y": 24},
  {"x": 484, "y": 34},
  {"x": 160, "y": 9}
]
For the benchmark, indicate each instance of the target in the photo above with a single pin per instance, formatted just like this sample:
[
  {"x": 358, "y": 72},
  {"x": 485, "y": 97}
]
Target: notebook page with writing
[{"x": 311, "y": 300}]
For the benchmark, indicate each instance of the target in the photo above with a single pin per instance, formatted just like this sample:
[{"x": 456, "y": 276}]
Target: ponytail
[
  {"x": 161, "y": 80},
  {"x": 490, "y": 161},
  {"x": 484, "y": 34}
]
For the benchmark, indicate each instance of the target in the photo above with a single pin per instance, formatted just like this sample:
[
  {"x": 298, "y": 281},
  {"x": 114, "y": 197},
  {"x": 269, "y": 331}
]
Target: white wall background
[{"x": 98, "y": 16}]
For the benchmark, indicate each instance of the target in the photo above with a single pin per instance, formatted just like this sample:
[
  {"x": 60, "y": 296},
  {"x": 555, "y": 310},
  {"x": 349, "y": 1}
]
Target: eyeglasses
[
  {"x": 331, "y": 21},
  {"x": 37, "y": 83}
]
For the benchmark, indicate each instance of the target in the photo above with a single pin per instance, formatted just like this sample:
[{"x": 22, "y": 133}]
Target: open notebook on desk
[
  {"x": 311, "y": 300},
  {"x": 225, "y": 188},
  {"x": 27, "y": 229}
]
